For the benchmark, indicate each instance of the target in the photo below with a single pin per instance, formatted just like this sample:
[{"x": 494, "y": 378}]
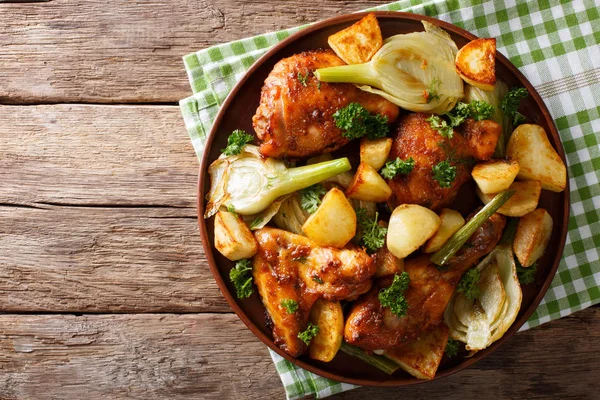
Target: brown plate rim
[{"x": 232, "y": 301}]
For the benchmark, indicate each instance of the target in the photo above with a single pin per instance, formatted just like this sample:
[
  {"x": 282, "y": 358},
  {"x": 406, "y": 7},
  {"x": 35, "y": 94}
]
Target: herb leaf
[
  {"x": 458, "y": 114},
  {"x": 469, "y": 284},
  {"x": 291, "y": 306},
  {"x": 510, "y": 104},
  {"x": 317, "y": 279},
  {"x": 309, "y": 333},
  {"x": 441, "y": 126},
  {"x": 236, "y": 142},
  {"x": 231, "y": 209},
  {"x": 255, "y": 222},
  {"x": 526, "y": 275},
  {"x": 451, "y": 348},
  {"x": 303, "y": 78},
  {"x": 241, "y": 277},
  {"x": 311, "y": 197},
  {"x": 355, "y": 122},
  {"x": 398, "y": 166},
  {"x": 444, "y": 173},
  {"x": 393, "y": 296},
  {"x": 432, "y": 92},
  {"x": 480, "y": 110},
  {"x": 373, "y": 234}
]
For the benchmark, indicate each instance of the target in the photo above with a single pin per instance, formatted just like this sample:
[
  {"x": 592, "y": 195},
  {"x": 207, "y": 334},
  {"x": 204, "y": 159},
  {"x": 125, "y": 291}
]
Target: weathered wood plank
[
  {"x": 83, "y": 154},
  {"x": 88, "y": 259},
  {"x": 213, "y": 356},
  {"x": 130, "y": 51}
]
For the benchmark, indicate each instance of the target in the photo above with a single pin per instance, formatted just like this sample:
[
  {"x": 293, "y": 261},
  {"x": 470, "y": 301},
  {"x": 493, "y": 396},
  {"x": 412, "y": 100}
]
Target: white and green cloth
[{"x": 555, "y": 45}]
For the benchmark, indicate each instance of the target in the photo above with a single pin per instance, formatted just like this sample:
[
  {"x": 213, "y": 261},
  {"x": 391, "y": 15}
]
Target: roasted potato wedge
[
  {"x": 410, "y": 226},
  {"x": 329, "y": 317},
  {"x": 387, "y": 263},
  {"x": 476, "y": 63},
  {"x": 375, "y": 152},
  {"x": 368, "y": 185},
  {"x": 451, "y": 222},
  {"x": 334, "y": 222},
  {"x": 233, "y": 238},
  {"x": 525, "y": 199},
  {"x": 359, "y": 42},
  {"x": 421, "y": 357},
  {"x": 538, "y": 161},
  {"x": 532, "y": 237},
  {"x": 495, "y": 176}
]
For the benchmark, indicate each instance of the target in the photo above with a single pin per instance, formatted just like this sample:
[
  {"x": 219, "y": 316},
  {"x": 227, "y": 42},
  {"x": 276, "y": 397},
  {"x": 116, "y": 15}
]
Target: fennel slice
[
  {"x": 478, "y": 333},
  {"x": 492, "y": 294},
  {"x": 514, "y": 295}
]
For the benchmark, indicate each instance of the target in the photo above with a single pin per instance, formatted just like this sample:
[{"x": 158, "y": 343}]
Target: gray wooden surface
[{"x": 104, "y": 291}]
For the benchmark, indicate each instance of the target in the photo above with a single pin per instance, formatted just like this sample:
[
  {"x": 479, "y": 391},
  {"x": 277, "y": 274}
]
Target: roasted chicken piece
[
  {"x": 295, "y": 115},
  {"x": 417, "y": 139},
  {"x": 372, "y": 327},
  {"x": 292, "y": 267}
]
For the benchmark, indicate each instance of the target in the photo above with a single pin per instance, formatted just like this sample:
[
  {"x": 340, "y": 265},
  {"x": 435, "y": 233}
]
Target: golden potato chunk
[
  {"x": 334, "y": 222},
  {"x": 538, "y": 161},
  {"x": 495, "y": 176},
  {"x": 452, "y": 221},
  {"x": 375, "y": 152},
  {"x": 368, "y": 185},
  {"x": 359, "y": 42},
  {"x": 421, "y": 357},
  {"x": 532, "y": 237},
  {"x": 525, "y": 199},
  {"x": 476, "y": 63},
  {"x": 329, "y": 317},
  {"x": 409, "y": 228},
  {"x": 233, "y": 238}
]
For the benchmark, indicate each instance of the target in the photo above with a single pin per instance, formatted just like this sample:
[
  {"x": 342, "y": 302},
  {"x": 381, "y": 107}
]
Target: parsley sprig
[
  {"x": 397, "y": 167},
  {"x": 303, "y": 78},
  {"x": 510, "y": 105},
  {"x": 440, "y": 125},
  {"x": 236, "y": 142},
  {"x": 469, "y": 284},
  {"x": 311, "y": 197},
  {"x": 355, "y": 122},
  {"x": 241, "y": 277},
  {"x": 451, "y": 348},
  {"x": 393, "y": 296},
  {"x": 309, "y": 333},
  {"x": 432, "y": 92},
  {"x": 444, "y": 173},
  {"x": 373, "y": 234},
  {"x": 291, "y": 306},
  {"x": 526, "y": 275}
]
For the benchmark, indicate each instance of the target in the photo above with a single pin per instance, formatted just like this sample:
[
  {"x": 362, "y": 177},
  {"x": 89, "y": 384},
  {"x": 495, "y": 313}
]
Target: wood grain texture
[
  {"x": 130, "y": 51},
  {"x": 96, "y": 259},
  {"x": 214, "y": 356},
  {"x": 96, "y": 155}
]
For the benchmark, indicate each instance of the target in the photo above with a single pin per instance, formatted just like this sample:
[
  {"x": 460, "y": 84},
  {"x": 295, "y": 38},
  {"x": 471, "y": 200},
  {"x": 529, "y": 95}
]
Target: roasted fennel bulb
[
  {"x": 414, "y": 71},
  {"x": 247, "y": 183}
]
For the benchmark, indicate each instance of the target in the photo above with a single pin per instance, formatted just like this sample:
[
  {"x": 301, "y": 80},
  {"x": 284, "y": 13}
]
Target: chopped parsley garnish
[
  {"x": 236, "y": 142},
  {"x": 303, "y": 78},
  {"x": 477, "y": 109},
  {"x": 451, "y": 348},
  {"x": 241, "y": 277},
  {"x": 355, "y": 122},
  {"x": 310, "y": 332},
  {"x": 317, "y": 279},
  {"x": 256, "y": 222},
  {"x": 469, "y": 284},
  {"x": 432, "y": 92},
  {"x": 441, "y": 126},
  {"x": 459, "y": 113},
  {"x": 373, "y": 234},
  {"x": 393, "y": 296},
  {"x": 311, "y": 197},
  {"x": 290, "y": 305},
  {"x": 510, "y": 105},
  {"x": 526, "y": 275},
  {"x": 231, "y": 209},
  {"x": 480, "y": 110},
  {"x": 397, "y": 167},
  {"x": 444, "y": 173},
  {"x": 301, "y": 259}
]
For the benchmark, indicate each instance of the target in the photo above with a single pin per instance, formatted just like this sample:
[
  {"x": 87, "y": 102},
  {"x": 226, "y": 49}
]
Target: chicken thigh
[{"x": 295, "y": 115}]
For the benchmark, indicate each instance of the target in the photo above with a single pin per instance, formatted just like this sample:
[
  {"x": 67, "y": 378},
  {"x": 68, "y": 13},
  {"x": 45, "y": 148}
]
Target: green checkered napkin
[{"x": 556, "y": 46}]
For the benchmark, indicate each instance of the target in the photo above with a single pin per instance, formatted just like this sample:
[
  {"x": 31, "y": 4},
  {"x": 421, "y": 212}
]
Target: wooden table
[{"x": 104, "y": 289}]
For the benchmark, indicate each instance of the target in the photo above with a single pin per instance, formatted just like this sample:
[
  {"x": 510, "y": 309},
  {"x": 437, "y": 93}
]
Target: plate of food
[{"x": 383, "y": 198}]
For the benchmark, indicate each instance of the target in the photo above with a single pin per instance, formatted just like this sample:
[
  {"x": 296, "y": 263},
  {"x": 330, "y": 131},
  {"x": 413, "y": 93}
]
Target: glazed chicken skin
[
  {"x": 292, "y": 267},
  {"x": 417, "y": 139},
  {"x": 372, "y": 327},
  {"x": 295, "y": 115}
]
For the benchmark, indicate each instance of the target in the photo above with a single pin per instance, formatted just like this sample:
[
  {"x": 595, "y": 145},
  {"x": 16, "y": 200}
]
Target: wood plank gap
[
  {"x": 25, "y": 1},
  {"x": 9, "y": 102}
]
